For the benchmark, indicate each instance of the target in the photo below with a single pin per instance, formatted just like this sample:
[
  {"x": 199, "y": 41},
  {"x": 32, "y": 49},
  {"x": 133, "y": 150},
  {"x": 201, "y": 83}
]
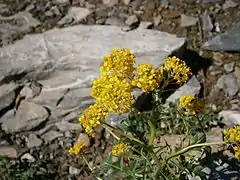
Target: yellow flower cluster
[
  {"x": 148, "y": 78},
  {"x": 113, "y": 92},
  {"x": 92, "y": 117},
  {"x": 191, "y": 104},
  {"x": 176, "y": 69},
  {"x": 119, "y": 62},
  {"x": 119, "y": 149},
  {"x": 77, "y": 148},
  {"x": 237, "y": 151},
  {"x": 232, "y": 135}
]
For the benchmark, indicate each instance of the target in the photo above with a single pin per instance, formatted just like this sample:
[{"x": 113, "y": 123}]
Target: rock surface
[
  {"x": 192, "y": 87},
  {"x": 8, "y": 152},
  {"x": 228, "y": 41},
  {"x": 7, "y": 95},
  {"x": 28, "y": 116},
  {"x": 230, "y": 118},
  {"x": 81, "y": 48},
  {"x": 188, "y": 20},
  {"x": 19, "y": 22}
]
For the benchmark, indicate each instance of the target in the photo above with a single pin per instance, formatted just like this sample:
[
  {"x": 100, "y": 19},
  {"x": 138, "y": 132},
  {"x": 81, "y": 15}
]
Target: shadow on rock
[{"x": 222, "y": 167}]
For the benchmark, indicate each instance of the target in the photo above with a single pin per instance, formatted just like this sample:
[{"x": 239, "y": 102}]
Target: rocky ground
[{"x": 39, "y": 72}]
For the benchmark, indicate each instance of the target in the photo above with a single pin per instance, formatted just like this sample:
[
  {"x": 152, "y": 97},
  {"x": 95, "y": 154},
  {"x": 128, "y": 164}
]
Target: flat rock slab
[
  {"x": 192, "y": 87},
  {"x": 228, "y": 41},
  {"x": 9, "y": 152},
  {"x": 7, "y": 95},
  {"x": 82, "y": 48},
  {"x": 28, "y": 116}
]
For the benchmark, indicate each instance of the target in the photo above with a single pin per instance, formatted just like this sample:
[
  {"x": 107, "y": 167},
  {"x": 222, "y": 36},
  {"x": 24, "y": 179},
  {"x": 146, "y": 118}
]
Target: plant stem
[
  {"x": 156, "y": 160},
  {"x": 184, "y": 122},
  {"x": 123, "y": 134},
  {"x": 186, "y": 149},
  {"x": 110, "y": 131},
  {"x": 152, "y": 132},
  {"x": 84, "y": 158},
  {"x": 200, "y": 123}
]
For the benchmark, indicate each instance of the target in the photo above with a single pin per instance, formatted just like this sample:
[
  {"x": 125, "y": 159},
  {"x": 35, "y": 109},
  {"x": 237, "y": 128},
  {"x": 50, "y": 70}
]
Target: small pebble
[{"x": 229, "y": 67}]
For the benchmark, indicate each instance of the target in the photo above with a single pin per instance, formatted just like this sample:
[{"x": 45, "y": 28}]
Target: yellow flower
[
  {"x": 237, "y": 151},
  {"x": 119, "y": 149},
  {"x": 148, "y": 78},
  {"x": 92, "y": 117},
  {"x": 77, "y": 148},
  {"x": 191, "y": 104},
  {"x": 177, "y": 69},
  {"x": 113, "y": 92},
  {"x": 119, "y": 62},
  {"x": 232, "y": 135}
]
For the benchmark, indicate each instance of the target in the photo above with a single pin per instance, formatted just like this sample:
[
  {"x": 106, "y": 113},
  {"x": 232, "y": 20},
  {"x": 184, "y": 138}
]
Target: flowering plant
[{"x": 140, "y": 151}]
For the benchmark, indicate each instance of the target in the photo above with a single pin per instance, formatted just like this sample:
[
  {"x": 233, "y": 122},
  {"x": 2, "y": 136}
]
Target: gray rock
[
  {"x": 80, "y": 48},
  {"x": 230, "y": 118},
  {"x": 48, "y": 98},
  {"x": 28, "y": 116},
  {"x": 126, "y": 2},
  {"x": 115, "y": 21},
  {"x": 157, "y": 20},
  {"x": 187, "y": 21},
  {"x": 229, "y": 84},
  {"x": 28, "y": 157},
  {"x": 8, "y": 115},
  {"x": 19, "y": 22},
  {"x": 75, "y": 14},
  {"x": 229, "y": 67},
  {"x": 65, "y": 126},
  {"x": 73, "y": 99},
  {"x": 217, "y": 27},
  {"x": 136, "y": 4},
  {"x": 131, "y": 20},
  {"x": 62, "y": 1},
  {"x": 7, "y": 151},
  {"x": 165, "y": 2},
  {"x": 33, "y": 141},
  {"x": 192, "y": 87},
  {"x": 51, "y": 135},
  {"x": 7, "y": 95},
  {"x": 210, "y": 1},
  {"x": 74, "y": 171},
  {"x": 110, "y": 2},
  {"x": 3, "y": 8},
  {"x": 229, "y": 4},
  {"x": 66, "y": 61},
  {"x": 227, "y": 41},
  {"x": 145, "y": 25},
  {"x": 116, "y": 119},
  {"x": 207, "y": 24},
  {"x": 27, "y": 92}
]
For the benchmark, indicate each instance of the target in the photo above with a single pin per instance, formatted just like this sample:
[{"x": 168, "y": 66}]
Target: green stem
[
  {"x": 200, "y": 124},
  {"x": 184, "y": 122},
  {"x": 152, "y": 132},
  {"x": 156, "y": 160},
  {"x": 122, "y": 133},
  {"x": 84, "y": 158},
  {"x": 186, "y": 149},
  {"x": 112, "y": 133}
]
